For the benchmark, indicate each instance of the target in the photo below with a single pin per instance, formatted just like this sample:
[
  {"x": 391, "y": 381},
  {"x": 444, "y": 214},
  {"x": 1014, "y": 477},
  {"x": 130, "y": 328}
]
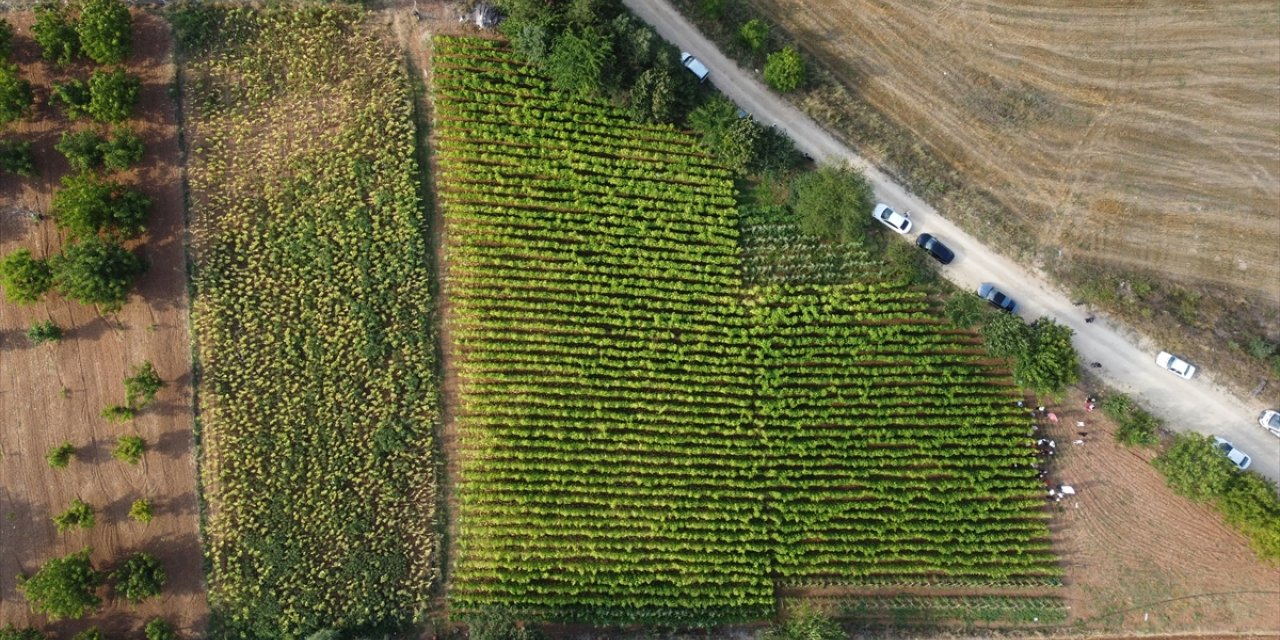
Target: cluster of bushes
[
  {"x": 67, "y": 587},
  {"x": 97, "y": 213},
  {"x": 1134, "y": 426},
  {"x": 596, "y": 48},
  {"x": 1194, "y": 467}
]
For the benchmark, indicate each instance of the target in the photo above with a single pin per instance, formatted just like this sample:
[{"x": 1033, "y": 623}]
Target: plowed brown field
[
  {"x": 1133, "y": 134},
  {"x": 56, "y": 392}
]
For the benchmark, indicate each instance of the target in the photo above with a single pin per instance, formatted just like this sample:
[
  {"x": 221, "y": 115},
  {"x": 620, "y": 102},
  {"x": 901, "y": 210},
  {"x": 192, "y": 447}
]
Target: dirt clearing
[{"x": 56, "y": 392}]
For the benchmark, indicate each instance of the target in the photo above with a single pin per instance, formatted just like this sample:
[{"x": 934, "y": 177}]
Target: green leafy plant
[
  {"x": 82, "y": 149},
  {"x": 159, "y": 629},
  {"x": 755, "y": 33},
  {"x": 92, "y": 633},
  {"x": 966, "y": 310},
  {"x": 833, "y": 202},
  {"x": 140, "y": 510},
  {"x": 79, "y": 514},
  {"x": 104, "y": 30},
  {"x": 784, "y": 70},
  {"x": 16, "y": 94},
  {"x": 97, "y": 271},
  {"x": 140, "y": 577},
  {"x": 55, "y": 33},
  {"x": 123, "y": 150},
  {"x": 129, "y": 449},
  {"x": 63, "y": 587},
  {"x": 16, "y": 158},
  {"x": 119, "y": 413},
  {"x": 10, "y": 632},
  {"x": 113, "y": 95},
  {"x": 25, "y": 279},
  {"x": 1134, "y": 426},
  {"x": 42, "y": 332},
  {"x": 87, "y": 205},
  {"x": 60, "y": 456},
  {"x": 141, "y": 387},
  {"x": 6, "y": 39},
  {"x": 74, "y": 97}
]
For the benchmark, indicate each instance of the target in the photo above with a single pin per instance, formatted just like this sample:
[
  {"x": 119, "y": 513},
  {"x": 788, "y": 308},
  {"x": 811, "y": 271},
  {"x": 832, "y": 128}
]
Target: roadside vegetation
[{"x": 312, "y": 318}]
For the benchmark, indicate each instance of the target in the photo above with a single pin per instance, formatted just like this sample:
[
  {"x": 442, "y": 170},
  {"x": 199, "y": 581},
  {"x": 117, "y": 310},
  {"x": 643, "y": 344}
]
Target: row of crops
[
  {"x": 662, "y": 424},
  {"x": 312, "y": 320}
]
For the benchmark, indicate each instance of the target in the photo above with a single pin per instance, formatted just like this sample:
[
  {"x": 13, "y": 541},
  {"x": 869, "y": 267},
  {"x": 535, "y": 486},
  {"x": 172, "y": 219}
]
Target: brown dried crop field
[
  {"x": 55, "y": 392},
  {"x": 1142, "y": 134}
]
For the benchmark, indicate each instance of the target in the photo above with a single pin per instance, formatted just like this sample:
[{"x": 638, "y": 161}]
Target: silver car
[{"x": 1233, "y": 454}]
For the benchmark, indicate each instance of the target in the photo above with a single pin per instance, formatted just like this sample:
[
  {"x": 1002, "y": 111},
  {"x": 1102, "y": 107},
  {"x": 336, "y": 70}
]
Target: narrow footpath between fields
[{"x": 1128, "y": 359}]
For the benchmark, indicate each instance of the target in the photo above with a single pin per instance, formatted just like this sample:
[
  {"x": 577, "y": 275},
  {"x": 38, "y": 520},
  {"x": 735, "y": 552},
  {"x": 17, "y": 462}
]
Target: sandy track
[
  {"x": 90, "y": 365},
  {"x": 1128, "y": 360}
]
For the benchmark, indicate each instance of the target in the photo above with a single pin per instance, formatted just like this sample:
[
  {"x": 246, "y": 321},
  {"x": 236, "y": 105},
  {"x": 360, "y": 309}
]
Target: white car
[
  {"x": 695, "y": 65},
  {"x": 892, "y": 219},
  {"x": 1270, "y": 420},
  {"x": 1175, "y": 364},
  {"x": 1233, "y": 454}
]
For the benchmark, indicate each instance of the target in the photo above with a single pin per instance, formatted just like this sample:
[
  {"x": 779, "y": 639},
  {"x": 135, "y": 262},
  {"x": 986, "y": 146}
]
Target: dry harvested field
[
  {"x": 1142, "y": 134},
  {"x": 55, "y": 392}
]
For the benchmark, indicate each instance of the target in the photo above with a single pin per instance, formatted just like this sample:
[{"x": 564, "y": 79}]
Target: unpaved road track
[{"x": 1128, "y": 360}]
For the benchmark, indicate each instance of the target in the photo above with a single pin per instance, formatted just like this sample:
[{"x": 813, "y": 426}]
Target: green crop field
[
  {"x": 312, "y": 317},
  {"x": 668, "y": 412}
]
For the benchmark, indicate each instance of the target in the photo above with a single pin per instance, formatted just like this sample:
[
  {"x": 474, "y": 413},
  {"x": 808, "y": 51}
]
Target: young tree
[
  {"x": 16, "y": 158},
  {"x": 63, "y": 587},
  {"x": 104, "y": 30},
  {"x": 79, "y": 514},
  {"x": 129, "y": 449},
  {"x": 580, "y": 60},
  {"x": 10, "y": 632},
  {"x": 755, "y": 33},
  {"x": 122, "y": 151},
  {"x": 965, "y": 310},
  {"x": 42, "y": 332},
  {"x": 140, "y": 577},
  {"x": 24, "y": 278},
  {"x": 141, "y": 511},
  {"x": 1050, "y": 363},
  {"x": 82, "y": 149},
  {"x": 1195, "y": 468},
  {"x": 87, "y": 205},
  {"x": 140, "y": 388},
  {"x": 158, "y": 629},
  {"x": 653, "y": 96},
  {"x": 6, "y": 39},
  {"x": 74, "y": 97},
  {"x": 119, "y": 413},
  {"x": 1007, "y": 336},
  {"x": 113, "y": 95},
  {"x": 97, "y": 271},
  {"x": 784, "y": 70},
  {"x": 55, "y": 33},
  {"x": 833, "y": 202},
  {"x": 16, "y": 95},
  {"x": 60, "y": 456},
  {"x": 91, "y": 633}
]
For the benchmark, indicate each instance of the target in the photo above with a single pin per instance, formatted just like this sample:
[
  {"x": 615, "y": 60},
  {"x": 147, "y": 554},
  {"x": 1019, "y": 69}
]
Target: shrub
[
  {"x": 966, "y": 310},
  {"x": 805, "y": 625},
  {"x": 140, "y": 388},
  {"x": 10, "y": 632},
  {"x": 122, "y": 151},
  {"x": 42, "y": 332},
  {"x": 63, "y": 587},
  {"x": 1260, "y": 348},
  {"x": 580, "y": 60},
  {"x": 1195, "y": 468},
  {"x": 79, "y": 514},
  {"x": 104, "y": 30},
  {"x": 112, "y": 95},
  {"x": 91, "y": 633},
  {"x": 139, "y": 578},
  {"x": 833, "y": 203},
  {"x": 97, "y": 271},
  {"x": 140, "y": 510},
  {"x": 24, "y": 278},
  {"x": 6, "y": 39},
  {"x": 129, "y": 449},
  {"x": 1134, "y": 426},
  {"x": 87, "y": 205},
  {"x": 1051, "y": 362},
  {"x": 16, "y": 95},
  {"x": 118, "y": 413},
  {"x": 60, "y": 456},
  {"x": 55, "y": 33},
  {"x": 755, "y": 33},
  {"x": 16, "y": 158},
  {"x": 82, "y": 149},
  {"x": 784, "y": 70},
  {"x": 158, "y": 629},
  {"x": 496, "y": 624},
  {"x": 905, "y": 262},
  {"x": 74, "y": 97}
]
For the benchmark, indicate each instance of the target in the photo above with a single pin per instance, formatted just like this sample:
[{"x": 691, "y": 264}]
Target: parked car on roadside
[
  {"x": 1233, "y": 454},
  {"x": 934, "y": 246},
  {"x": 996, "y": 298},
  {"x": 1178, "y": 366},
  {"x": 694, "y": 65},
  {"x": 1270, "y": 420},
  {"x": 892, "y": 219}
]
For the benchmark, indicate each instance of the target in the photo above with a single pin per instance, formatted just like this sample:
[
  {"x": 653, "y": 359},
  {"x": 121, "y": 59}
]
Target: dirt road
[{"x": 1127, "y": 359}]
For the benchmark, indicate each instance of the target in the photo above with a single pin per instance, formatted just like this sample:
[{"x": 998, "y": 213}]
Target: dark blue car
[
  {"x": 934, "y": 246},
  {"x": 995, "y": 298}
]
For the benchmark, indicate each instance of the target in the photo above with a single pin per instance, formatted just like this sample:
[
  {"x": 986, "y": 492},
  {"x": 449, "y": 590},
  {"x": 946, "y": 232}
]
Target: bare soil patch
[
  {"x": 1140, "y": 558},
  {"x": 56, "y": 392}
]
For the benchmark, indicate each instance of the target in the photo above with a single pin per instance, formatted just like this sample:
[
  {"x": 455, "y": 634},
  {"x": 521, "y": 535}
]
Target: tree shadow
[{"x": 174, "y": 443}]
